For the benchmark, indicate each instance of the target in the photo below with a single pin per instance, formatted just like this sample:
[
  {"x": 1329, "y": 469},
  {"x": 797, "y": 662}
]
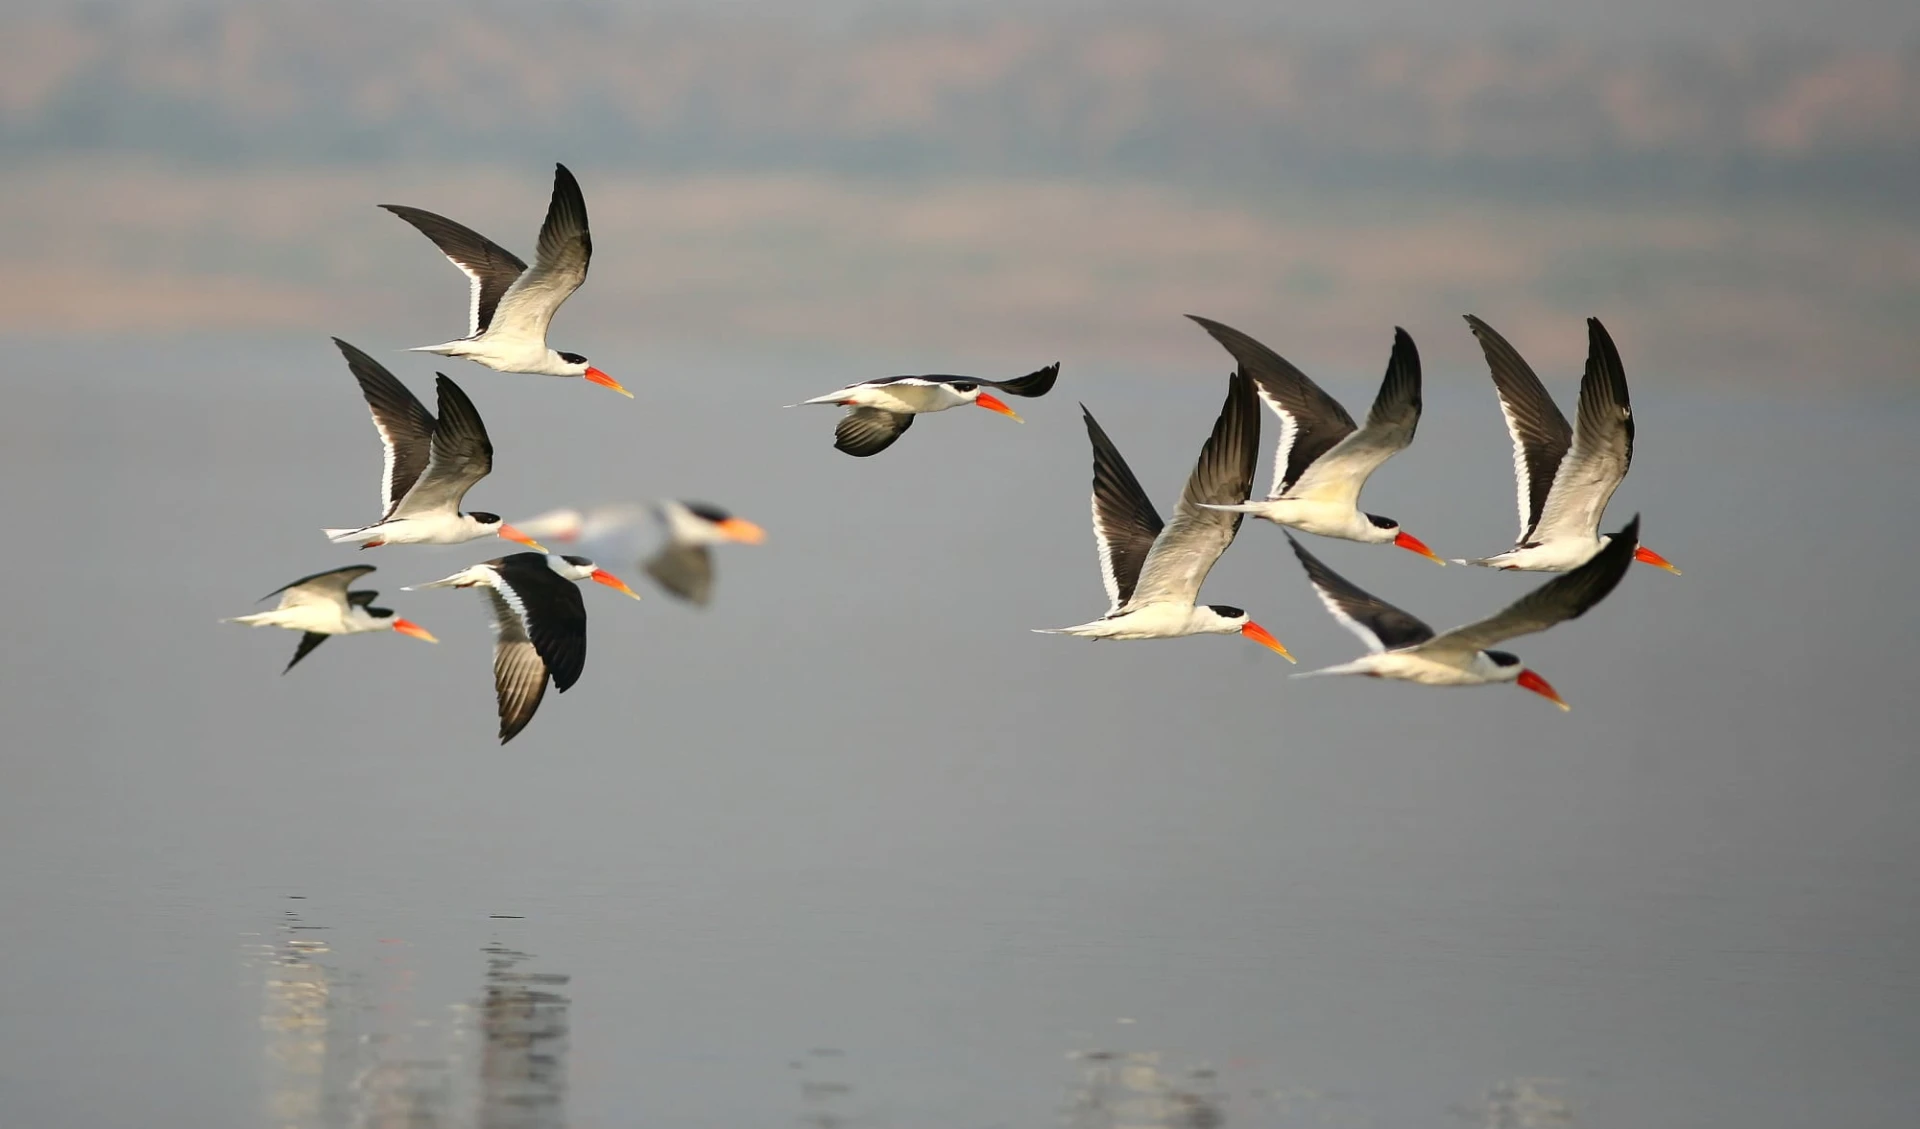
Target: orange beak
[
  {"x": 509, "y": 533},
  {"x": 602, "y": 576},
  {"x": 1413, "y": 544},
  {"x": 595, "y": 376},
  {"x": 1261, "y": 636},
  {"x": 1647, "y": 556},
  {"x": 741, "y": 530},
  {"x": 408, "y": 627},
  {"x": 1530, "y": 681},
  {"x": 994, "y": 405}
]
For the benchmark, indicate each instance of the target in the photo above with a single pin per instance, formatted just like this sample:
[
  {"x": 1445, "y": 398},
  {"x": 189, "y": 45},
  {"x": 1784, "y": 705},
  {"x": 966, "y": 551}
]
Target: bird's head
[
  {"x": 1504, "y": 666},
  {"x": 1229, "y": 620},
  {"x": 500, "y": 528},
  {"x": 580, "y": 568},
  {"x": 1388, "y": 530},
  {"x": 403, "y": 626},
  {"x": 576, "y": 365},
  {"x": 698, "y": 523},
  {"x": 981, "y": 398}
]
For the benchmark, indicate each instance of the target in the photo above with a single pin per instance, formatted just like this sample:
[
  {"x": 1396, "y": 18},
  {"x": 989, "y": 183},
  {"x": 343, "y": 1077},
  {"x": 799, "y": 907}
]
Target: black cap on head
[
  {"x": 710, "y": 512},
  {"x": 1382, "y": 522},
  {"x": 573, "y": 358},
  {"x": 380, "y": 613},
  {"x": 1227, "y": 611},
  {"x": 1503, "y": 658},
  {"x": 483, "y": 517},
  {"x": 580, "y": 561}
]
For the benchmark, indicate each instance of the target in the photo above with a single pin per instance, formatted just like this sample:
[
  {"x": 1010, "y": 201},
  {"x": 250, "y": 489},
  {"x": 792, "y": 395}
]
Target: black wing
[
  {"x": 868, "y": 431},
  {"x": 336, "y": 579},
  {"x": 1124, "y": 521},
  {"x": 1380, "y": 625},
  {"x": 308, "y": 641},
  {"x": 519, "y": 675},
  {"x": 404, "y": 424},
  {"x": 553, "y": 612},
  {"x": 461, "y": 454},
  {"x": 1565, "y": 597},
  {"x": 491, "y": 267},
  {"x": 1540, "y": 433},
  {"x": 1036, "y": 383},
  {"x": 1311, "y": 422}
]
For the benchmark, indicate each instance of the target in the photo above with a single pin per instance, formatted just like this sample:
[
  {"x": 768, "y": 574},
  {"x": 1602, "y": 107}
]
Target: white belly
[
  {"x": 908, "y": 399},
  {"x": 1154, "y": 621},
  {"x": 1563, "y": 555},
  {"x": 1327, "y": 519}
]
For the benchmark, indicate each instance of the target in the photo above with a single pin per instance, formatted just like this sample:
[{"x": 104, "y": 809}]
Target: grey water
[{"x": 854, "y": 847}]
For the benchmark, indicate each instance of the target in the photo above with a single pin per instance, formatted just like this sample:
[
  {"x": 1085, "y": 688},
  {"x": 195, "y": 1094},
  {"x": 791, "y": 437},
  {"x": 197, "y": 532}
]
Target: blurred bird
[
  {"x": 539, "y": 626},
  {"x": 1566, "y": 475},
  {"x": 1323, "y": 460},
  {"x": 1154, "y": 570},
  {"x": 880, "y": 411},
  {"x": 683, "y": 565},
  {"x": 429, "y": 467},
  {"x": 320, "y": 606},
  {"x": 511, "y": 306},
  {"x": 1403, "y": 647}
]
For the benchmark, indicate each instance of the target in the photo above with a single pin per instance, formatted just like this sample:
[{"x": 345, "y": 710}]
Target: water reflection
[{"x": 348, "y": 1048}]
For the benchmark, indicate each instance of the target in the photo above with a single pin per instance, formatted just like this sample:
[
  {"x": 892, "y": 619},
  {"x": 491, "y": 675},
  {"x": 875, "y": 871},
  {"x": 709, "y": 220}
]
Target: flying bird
[
  {"x": 880, "y": 411},
  {"x": 683, "y": 564},
  {"x": 1402, "y": 647},
  {"x": 1565, "y": 474},
  {"x": 511, "y": 306},
  {"x": 539, "y": 626},
  {"x": 320, "y": 606},
  {"x": 1323, "y": 460},
  {"x": 430, "y": 464},
  {"x": 1153, "y": 569}
]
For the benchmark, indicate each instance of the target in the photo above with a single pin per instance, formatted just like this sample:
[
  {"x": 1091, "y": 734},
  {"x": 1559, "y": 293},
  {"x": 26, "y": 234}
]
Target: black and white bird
[
  {"x": 682, "y": 565},
  {"x": 511, "y": 306},
  {"x": 1323, "y": 460},
  {"x": 320, "y": 606},
  {"x": 1565, "y": 474},
  {"x": 880, "y": 411},
  {"x": 539, "y": 626},
  {"x": 1403, "y": 647},
  {"x": 1153, "y": 570},
  {"x": 430, "y": 464}
]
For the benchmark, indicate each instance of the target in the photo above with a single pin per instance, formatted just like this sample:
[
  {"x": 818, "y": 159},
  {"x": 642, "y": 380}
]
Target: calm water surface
[{"x": 854, "y": 847}]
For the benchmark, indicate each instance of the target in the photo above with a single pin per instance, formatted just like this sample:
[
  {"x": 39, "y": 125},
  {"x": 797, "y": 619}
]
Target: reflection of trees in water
[{"x": 345, "y": 1049}]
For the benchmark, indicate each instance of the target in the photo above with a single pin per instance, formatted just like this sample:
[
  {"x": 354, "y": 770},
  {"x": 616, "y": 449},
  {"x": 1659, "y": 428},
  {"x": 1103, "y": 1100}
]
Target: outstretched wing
[
  {"x": 1565, "y": 597},
  {"x": 490, "y": 267},
  {"x": 329, "y": 587},
  {"x": 1187, "y": 548},
  {"x": 308, "y": 641},
  {"x": 1380, "y": 625},
  {"x": 868, "y": 431},
  {"x": 404, "y": 424},
  {"x": 1311, "y": 422},
  {"x": 1124, "y": 521},
  {"x": 519, "y": 675},
  {"x": 1602, "y": 446},
  {"x": 1540, "y": 433},
  {"x": 462, "y": 456},
  {"x": 559, "y": 263},
  {"x": 1338, "y": 475},
  {"x": 1036, "y": 383}
]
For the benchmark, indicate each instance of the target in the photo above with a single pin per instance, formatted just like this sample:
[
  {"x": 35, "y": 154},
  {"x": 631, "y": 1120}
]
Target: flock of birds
[{"x": 1153, "y": 569}]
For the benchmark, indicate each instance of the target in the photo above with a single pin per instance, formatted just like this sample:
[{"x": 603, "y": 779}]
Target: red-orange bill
[
  {"x": 1265, "y": 638},
  {"x": 741, "y": 530},
  {"x": 993, "y": 404},
  {"x": 595, "y": 376},
  {"x": 1413, "y": 544},
  {"x": 511, "y": 534},
  {"x": 408, "y": 627},
  {"x": 1647, "y": 556},
  {"x": 1530, "y": 681},
  {"x": 602, "y": 576}
]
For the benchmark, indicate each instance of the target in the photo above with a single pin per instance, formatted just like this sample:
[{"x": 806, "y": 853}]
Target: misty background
[{"x": 852, "y": 844}]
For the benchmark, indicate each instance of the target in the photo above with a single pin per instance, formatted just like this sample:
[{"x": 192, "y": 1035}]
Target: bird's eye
[{"x": 964, "y": 386}]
